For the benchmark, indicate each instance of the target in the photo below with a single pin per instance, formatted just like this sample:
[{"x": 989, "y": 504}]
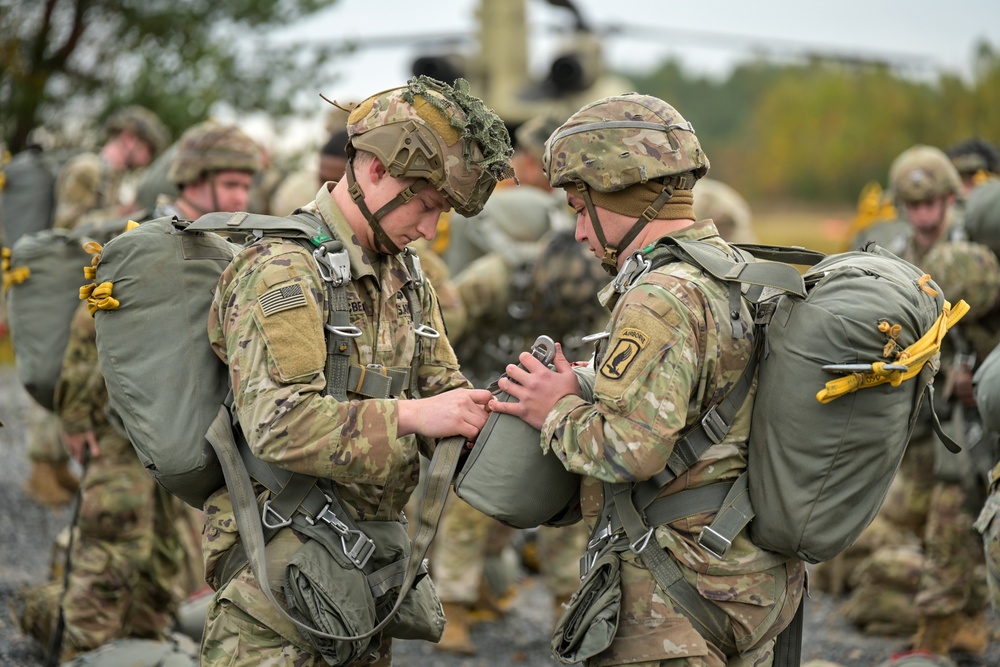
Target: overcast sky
[{"x": 708, "y": 36}]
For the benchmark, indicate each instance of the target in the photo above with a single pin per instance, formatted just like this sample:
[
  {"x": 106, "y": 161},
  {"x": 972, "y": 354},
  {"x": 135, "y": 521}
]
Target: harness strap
[
  {"x": 788, "y": 644},
  {"x": 375, "y": 381},
  {"x": 709, "y": 620},
  {"x": 443, "y": 465},
  {"x": 412, "y": 289}
]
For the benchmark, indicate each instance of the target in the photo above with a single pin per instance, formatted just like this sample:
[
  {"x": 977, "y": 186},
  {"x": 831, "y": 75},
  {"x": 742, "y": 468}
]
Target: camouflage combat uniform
[
  {"x": 675, "y": 322},
  {"x": 87, "y": 190},
  {"x": 276, "y": 363},
  {"x": 127, "y": 554}
]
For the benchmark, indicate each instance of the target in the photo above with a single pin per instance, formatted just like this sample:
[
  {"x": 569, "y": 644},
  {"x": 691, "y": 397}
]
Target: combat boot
[
  {"x": 455, "y": 638},
  {"x": 43, "y": 485},
  {"x": 936, "y": 633},
  {"x": 972, "y": 634}
]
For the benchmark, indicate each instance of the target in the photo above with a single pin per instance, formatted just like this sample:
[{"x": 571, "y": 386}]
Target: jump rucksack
[
  {"x": 42, "y": 276},
  {"x": 27, "y": 195}
]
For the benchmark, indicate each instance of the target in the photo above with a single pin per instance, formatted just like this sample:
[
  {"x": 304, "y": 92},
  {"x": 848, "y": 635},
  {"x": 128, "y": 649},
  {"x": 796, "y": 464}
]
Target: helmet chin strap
[
  {"x": 610, "y": 260},
  {"x": 408, "y": 193}
]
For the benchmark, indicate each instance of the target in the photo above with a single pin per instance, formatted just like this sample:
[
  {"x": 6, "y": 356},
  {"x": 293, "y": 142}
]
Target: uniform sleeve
[
  {"x": 77, "y": 191},
  {"x": 642, "y": 392},
  {"x": 78, "y": 390}
]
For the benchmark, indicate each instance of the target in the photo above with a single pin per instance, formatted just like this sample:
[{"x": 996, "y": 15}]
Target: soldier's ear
[{"x": 376, "y": 170}]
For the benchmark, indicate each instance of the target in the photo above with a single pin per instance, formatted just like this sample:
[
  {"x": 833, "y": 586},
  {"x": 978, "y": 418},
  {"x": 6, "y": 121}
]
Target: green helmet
[
  {"x": 209, "y": 147},
  {"x": 143, "y": 123},
  {"x": 621, "y": 141},
  {"x": 532, "y": 134},
  {"x": 430, "y": 130},
  {"x": 922, "y": 173},
  {"x": 982, "y": 214}
]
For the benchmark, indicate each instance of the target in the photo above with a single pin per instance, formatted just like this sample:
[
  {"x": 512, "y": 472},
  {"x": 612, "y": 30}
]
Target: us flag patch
[{"x": 282, "y": 298}]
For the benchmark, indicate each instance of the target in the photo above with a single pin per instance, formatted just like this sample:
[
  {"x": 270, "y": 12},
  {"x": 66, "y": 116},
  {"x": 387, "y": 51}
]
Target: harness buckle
[
  {"x": 334, "y": 267},
  {"x": 641, "y": 543},
  {"x": 635, "y": 267},
  {"x": 268, "y": 512},
  {"x": 349, "y": 331},
  {"x": 714, "y": 425},
  {"x": 362, "y": 548},
  {"x": 714, "y": 542},
  {"x": 427, "y": 331}
]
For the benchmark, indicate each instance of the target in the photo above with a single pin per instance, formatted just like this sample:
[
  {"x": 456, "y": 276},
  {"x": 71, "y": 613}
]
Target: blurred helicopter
[{"x": 498, "y": 72}]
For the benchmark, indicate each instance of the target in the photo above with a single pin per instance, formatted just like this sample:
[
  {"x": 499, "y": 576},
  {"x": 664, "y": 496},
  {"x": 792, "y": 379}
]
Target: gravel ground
[{"x": 521, "y": 639}]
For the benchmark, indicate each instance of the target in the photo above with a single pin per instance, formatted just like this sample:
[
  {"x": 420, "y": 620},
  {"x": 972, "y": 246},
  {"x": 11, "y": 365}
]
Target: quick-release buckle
[
  {"x": 714, "y": 425},
  {"x": 635, "y": 266},
  {"x": 349, "y": 331},
  {"x": 714, "y": 543},
  {"x": 427, "y": 331},
  {"x": 362, "y": 548},
  {"x": 337, "y": 265},
  {"x": 641, "y": 543}
]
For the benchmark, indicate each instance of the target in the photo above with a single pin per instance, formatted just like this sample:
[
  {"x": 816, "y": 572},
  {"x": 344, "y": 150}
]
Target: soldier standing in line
[
  {"x": 941, "y": 491},
  {"x": 129, "y": 553},
  {"x": 87, "y": 190},
  {"x": 416, "y": 151},
  {"x": 627, "y": 165}
]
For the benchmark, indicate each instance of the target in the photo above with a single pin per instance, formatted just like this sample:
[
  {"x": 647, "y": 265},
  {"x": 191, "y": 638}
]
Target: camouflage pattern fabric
[
  {"x": 87, "y": 189},
  {"x": 466, "y": 539},
  {"x": 276, "y": 356},
  {"x": 885, "y": 587},
  {"x": 126, "y": 555},
  {"x": 44, "y": 443},
  {"x": 669, "y": 357},
  {"x": 559, "y": 552},
  {"x": 988, "y": 524}
]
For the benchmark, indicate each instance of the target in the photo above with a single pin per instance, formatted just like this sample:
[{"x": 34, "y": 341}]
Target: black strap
[{"x": 788, "y": 645}]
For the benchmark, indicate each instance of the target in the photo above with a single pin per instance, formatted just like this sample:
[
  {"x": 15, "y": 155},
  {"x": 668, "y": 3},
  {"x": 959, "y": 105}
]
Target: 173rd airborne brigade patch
[{"x": 623, "y": 353}]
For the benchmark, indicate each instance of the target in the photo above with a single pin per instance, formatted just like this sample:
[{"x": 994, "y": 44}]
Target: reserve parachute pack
[
  {"x": 41, "y": 279},
  {"x": 845, "y": 353}
]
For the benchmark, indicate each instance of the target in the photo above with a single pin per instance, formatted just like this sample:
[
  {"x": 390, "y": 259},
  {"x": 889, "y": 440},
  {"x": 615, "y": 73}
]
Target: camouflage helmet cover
[
  {"x": 210, "y": 147},
  {"x": 428, "y": 129},
  {"x": 532, "y": 134},
  {"x": 922, "y": 173},
  {"x": 141, "y": 122},
  {"x": 623, "y": 140}
]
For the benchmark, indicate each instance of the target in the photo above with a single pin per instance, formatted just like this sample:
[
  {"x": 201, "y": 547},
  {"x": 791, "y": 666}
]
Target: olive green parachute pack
[
  {"x": 986, "y": 384},
  {"x": 27, "y": 194},
  {"x": 152, "y": 292},
  {"x": 42, "y": 274}
]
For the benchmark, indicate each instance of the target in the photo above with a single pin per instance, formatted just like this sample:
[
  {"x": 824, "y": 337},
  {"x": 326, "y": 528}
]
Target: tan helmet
[
  {"x": 922, "y": 173},
  {"x": 621, "y": 141},
  {"x": 437, "y": 134},
  {"x": 143, "y": 123},
  {"x": 726, "y": 207},
  {"x": 532, "y": 134},
  {"x": 210, "y": 147}
]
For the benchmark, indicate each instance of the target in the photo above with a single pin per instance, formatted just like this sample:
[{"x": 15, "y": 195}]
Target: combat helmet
[
  {"x": 621, "y": 141},
  {"x": 209, "y": 147},
  {"x": 143, "y": 123},
  {"x": 922, "y": 173},
  {"x": 435, "y": 133}
]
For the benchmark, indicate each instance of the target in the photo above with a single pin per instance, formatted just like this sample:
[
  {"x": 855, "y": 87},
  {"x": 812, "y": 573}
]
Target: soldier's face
[
  {"x": 929, "y": 216},
  {"x": 225, "y": 191},
  {"x": 611, "y": 224},
  {"x": 418, "y": 218}
]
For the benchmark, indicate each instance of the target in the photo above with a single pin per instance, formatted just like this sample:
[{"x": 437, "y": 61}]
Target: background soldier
[
  {"x": 134, "y": 556},
  {"x": 665, "y": 333},
  {"x": 415, "y": 152}
]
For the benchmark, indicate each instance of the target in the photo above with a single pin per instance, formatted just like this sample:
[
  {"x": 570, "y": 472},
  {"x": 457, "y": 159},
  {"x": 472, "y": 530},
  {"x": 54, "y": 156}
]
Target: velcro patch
[
  {"x": 282, "y": 298},
  {"x": 626, "y": 348}
]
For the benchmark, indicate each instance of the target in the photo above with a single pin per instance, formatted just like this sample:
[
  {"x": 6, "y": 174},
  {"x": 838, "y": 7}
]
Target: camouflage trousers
[
  {"x": 759, "y": 605},
  {"x": 124, "y": 558},
  {"x": 559, "y": 552},
  {"x": 988, "y": 524},
  {"x": 44, "y": 443},
  {"x": 466, "y": 539}
]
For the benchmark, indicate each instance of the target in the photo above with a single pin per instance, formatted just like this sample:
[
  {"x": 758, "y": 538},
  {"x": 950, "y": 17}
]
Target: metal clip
[
  {"x": 337, "y": 265},
  {"x": 269, "y": 512},
  {"x": 714, "y": 543},
  {"x": 714, "y": 425},
  {"x": 641, "y": 543},
  {"x": 427, "y": 331},
  {"x": 350, "y": 331},
  {"x": 363, "y": 547},
  {"x": 590, "y": 338},
  {"x": 630, "y": 271},
  {"x": 598, "y": 539}
]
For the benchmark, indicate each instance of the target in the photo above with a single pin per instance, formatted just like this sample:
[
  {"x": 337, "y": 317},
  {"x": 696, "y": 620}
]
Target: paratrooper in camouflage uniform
[
  {"x": 135, "y": 557},
  {"x": 670, "y": 354},
  {"x": 416, "y": 151}
]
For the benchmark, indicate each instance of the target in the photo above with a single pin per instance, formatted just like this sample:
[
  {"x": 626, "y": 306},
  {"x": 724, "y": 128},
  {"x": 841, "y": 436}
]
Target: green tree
[{"x": 81, "y": 59}]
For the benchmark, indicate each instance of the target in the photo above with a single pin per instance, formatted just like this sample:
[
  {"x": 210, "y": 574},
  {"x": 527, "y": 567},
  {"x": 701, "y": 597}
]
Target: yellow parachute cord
[
  {"x": 98, "y": 297},
  {"x": 12, "y": 276},
  {"x": 914, "y": 357}
]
